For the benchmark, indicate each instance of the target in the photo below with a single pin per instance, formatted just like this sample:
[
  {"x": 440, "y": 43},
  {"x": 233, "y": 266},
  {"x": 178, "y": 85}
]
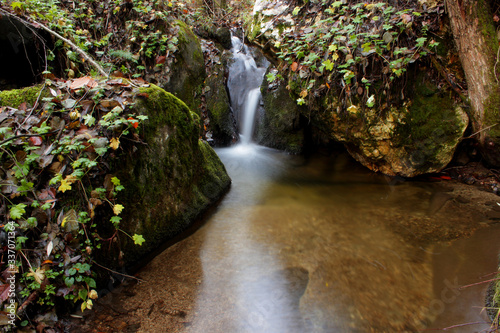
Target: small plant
[{"x": 54, "y": 218}]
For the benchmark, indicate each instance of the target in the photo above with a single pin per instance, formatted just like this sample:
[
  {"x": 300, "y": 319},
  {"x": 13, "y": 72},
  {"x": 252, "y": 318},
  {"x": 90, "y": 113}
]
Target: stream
[{"x": 317, "y": 244}]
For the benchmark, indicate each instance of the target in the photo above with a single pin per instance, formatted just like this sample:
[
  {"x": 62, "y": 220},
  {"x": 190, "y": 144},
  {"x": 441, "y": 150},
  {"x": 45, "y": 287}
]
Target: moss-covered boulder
[
  {"x": 185, "y": 77},
  {"x": 417, "y": 137},
  {"x": 172, "y": 180},
  {"x": 279, "y": 125},
  {"x": 386, "y": 104}
]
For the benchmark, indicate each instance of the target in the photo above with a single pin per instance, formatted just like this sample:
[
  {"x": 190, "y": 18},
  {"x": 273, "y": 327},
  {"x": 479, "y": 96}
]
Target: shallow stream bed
[{"x": 318, "y": 244}]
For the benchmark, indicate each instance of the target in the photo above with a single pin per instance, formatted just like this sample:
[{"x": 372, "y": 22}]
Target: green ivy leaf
[
  {"x": 115, "y": 181},
  {"x": 328, "y": 64},
  {"x": 17, "y": 211},
  {"x": 138, "y": 239}
]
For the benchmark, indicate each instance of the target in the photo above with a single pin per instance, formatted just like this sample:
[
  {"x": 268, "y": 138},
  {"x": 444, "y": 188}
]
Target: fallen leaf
[
  {"x": 36, "y": 140},
  {"x": 133, "y": 122},
  {"x": 39, "y": 274},
  {"x": 70, "y": 221},
  {"x": 295, "y": 65},
  {"x": 114, "y": 143},
  {"x": 303, "y": 93},
  {"x": 160, "y": 59},
  {"x": 109, "y": 103},
  {"x": 4, "y": 292},
  {"x": 81, "y": 82}
]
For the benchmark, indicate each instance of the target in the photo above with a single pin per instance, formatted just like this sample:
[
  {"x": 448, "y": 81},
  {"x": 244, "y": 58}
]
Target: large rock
[
  {"x": 185, "y": 77},
  {"x": 415, "y": 134},
  {"x": 279, "y": 122},
  {"x": 172, "y": 180},
  {"x": 222, "y": 124}
]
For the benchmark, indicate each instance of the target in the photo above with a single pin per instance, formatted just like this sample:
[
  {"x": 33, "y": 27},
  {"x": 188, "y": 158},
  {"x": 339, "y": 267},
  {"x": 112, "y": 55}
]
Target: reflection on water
[
  {"x": 322, "y": 245},
  {"x": 310, "y": 246}
]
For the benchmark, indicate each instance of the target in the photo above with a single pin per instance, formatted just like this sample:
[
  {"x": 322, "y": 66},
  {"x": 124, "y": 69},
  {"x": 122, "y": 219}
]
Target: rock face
[
  {"x": 279, "y": 121},
  {"x": 221, "y": 123},
  {"x": 416, "y": 135},
  {"x": 173, "y": 179},
  {"x": 185, "y": 77}
]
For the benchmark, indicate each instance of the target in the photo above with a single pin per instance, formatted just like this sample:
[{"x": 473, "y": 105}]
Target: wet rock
[
  {"x": 221, "y": 120},
  {"x": 279, "y": 122},
  {"x": 185, "y": 77}
]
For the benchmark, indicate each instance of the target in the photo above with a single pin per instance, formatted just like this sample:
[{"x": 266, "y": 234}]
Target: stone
[
  {"x": 417, "y": 135},
  {"x": 171, "y": 181},
  {"x": 186, "y": 75},
  {"x": 279, "y": 122}
]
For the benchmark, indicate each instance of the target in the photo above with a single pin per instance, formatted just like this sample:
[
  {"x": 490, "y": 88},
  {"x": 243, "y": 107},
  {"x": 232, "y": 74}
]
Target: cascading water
[{"x": 245, "y": 78}]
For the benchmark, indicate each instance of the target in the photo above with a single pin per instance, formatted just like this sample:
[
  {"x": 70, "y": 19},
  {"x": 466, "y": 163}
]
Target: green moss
[
  {"x": 169, "y": 181},
  {"x": 255, "y": 29},
  {"x": 219, "y": 111},
  {"x": 486, "y": 23},
  {"x": 214, "y": 177},
  {"x": 492, "y": 112},
  {"x": 15, "y": 97},
  {"x": 431, "y": 127},
  {"x": 188, "y": 73}
]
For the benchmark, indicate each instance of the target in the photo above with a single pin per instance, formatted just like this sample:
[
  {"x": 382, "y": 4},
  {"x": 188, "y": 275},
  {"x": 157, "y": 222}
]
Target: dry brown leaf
[
  {"x": 114, "y": 143},
  {"x": 81, "y": 82}
]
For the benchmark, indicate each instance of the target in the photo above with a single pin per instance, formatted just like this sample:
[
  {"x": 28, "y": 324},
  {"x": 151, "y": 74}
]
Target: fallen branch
[
  {"x": 36, "y": 24},
  {"x": 482, "y": 130},
  {"x": 456, "y": 326}
]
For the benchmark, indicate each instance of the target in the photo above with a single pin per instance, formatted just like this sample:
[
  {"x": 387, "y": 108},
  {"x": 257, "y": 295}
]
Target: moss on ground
[{"x": 16, "y": 97}]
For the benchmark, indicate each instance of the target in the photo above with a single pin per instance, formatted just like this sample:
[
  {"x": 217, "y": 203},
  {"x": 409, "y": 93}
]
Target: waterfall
[
  {"x": 251, "y": 104},
  {"x": 244, "y": 80}
]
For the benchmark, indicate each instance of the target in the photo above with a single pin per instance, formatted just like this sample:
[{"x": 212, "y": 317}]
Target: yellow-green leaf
[
  {"x": 117, "y": 209},
  {"x": 138, "y": 239},
  {"x": 65, "y": 185}
]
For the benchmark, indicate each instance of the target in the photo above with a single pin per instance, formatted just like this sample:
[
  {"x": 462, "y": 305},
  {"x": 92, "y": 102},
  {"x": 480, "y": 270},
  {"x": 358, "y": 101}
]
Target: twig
[
  {"x": 30, "y": 299},
  {"x": 495, "y": 67},
  {"x": 25, "y": 136},
  {"x": 36, "y": 24},
  {"x": 34, "y": 106},
  {"x": 484, "y": 129},
  {"x": 456, "y": 326},
  {"x": 115, "y": 272},
  {"x": 478, "y": 283}
]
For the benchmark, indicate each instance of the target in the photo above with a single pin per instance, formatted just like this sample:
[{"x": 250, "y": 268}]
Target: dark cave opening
[{"x": 22, "y": 54}]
